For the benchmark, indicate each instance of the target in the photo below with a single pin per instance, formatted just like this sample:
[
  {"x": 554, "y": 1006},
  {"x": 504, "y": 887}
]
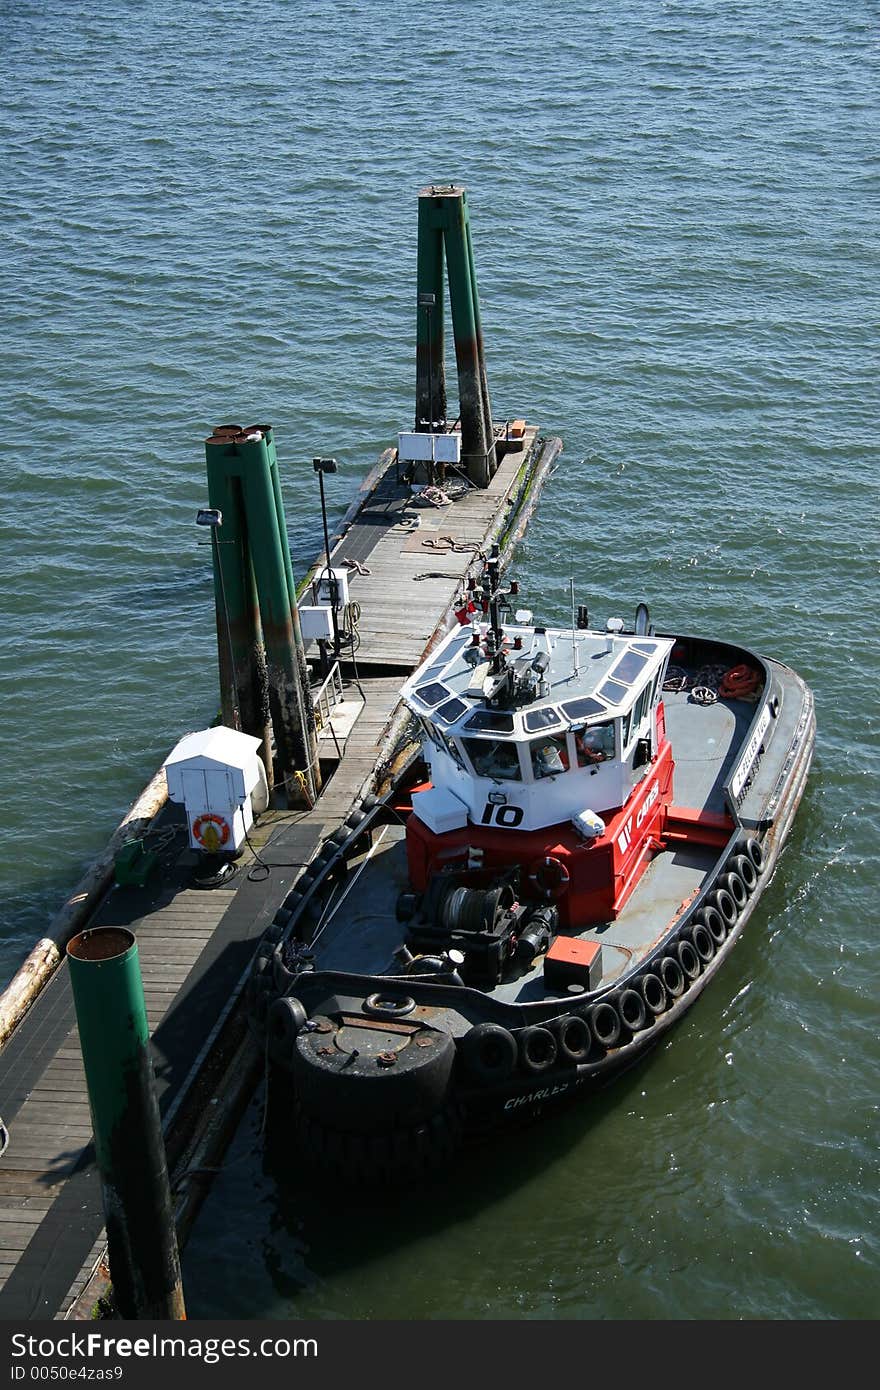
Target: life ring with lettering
[
  {"x": 211, "y": 831},
  {"x": 550, "y": 876}
]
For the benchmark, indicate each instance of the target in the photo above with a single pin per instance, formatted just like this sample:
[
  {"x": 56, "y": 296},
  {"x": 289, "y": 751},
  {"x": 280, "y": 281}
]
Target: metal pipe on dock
[{"x": 115, "y": 1040}]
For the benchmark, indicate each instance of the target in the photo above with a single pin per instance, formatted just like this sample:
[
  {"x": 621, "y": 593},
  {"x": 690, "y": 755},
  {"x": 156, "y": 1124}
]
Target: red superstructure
[{"x": 594, "y": 878}]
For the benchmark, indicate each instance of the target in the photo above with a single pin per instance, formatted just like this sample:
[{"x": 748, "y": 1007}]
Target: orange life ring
[
  {"x": 550, "y": 876},
  {"x": 219, "y": 834}
]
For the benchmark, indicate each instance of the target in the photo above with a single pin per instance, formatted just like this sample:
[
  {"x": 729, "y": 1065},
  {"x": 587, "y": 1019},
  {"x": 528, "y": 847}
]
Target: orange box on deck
[{"x": 572, "y": 961}]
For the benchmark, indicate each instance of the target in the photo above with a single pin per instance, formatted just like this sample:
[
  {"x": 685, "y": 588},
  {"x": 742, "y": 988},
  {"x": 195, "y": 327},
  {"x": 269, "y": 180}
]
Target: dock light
[
  {"x": 322, "y": 466},
  {"x": 212, "y": 517}
]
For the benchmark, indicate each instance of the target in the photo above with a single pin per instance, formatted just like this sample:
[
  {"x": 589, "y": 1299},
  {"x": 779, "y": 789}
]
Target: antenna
[{"x": 574, "y": 646}]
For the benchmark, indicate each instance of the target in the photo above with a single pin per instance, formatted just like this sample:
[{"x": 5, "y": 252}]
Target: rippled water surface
[{"x": 209, "y": 213}]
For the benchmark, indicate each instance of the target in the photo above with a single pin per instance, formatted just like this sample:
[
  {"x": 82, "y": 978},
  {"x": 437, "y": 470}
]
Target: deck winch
[{"x": 497, "y": 935}]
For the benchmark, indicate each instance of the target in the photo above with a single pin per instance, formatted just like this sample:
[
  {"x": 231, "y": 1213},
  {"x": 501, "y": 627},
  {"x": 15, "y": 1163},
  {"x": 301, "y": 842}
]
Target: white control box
[
  {"x": 316, "y": 623},
  {"x": 321, "y": 588},
  {"x": 213, "y": 773},
  {"x": 415, "y": 447}
]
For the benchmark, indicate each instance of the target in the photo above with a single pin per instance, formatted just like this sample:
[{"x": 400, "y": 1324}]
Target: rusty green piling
[
  {"x": 114, "y": 1037},
  {"x": 244, "y": 693},
  {"x": 243, "y": 469},
  {"x": 444, "y": 225},
  {"x": 430, "y": 365}
]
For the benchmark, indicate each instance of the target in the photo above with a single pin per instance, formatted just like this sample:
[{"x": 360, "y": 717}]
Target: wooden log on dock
[{"x": 44, "y": 959}]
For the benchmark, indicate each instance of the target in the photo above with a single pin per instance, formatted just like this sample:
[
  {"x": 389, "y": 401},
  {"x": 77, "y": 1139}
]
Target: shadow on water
[{"x": 345, "y": 1227}]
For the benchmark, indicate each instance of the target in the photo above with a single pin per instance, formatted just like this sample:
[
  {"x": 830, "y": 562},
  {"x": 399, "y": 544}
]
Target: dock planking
[{"x": 195, "y": 946}]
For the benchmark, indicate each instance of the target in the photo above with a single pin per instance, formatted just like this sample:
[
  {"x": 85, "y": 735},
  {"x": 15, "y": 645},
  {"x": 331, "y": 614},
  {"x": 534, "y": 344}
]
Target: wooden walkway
[
  {"x": 416, "y": 557},
  {"x": 196, "y": 946}
]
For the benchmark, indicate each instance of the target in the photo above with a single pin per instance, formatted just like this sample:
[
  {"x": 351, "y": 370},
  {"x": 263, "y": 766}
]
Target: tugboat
[{"x": 560, "y": 869}]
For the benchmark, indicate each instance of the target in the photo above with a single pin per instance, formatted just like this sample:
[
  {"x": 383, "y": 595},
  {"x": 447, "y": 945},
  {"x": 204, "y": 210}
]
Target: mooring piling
[
  {"x": 114, "y": 1038},
  {"x": 444, "y": 224},
  {"x": 266, "y": 639},
  {"x": 244, "y": 695}
]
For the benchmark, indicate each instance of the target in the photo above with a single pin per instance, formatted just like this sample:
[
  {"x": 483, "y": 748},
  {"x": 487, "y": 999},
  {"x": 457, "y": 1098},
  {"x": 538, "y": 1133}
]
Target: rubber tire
[
  {"x": 687, "y": 959},
  {"x": 538, "y": 1049},
  {"x": 736, "y": 888},
  {"x": 371, "y": 1100},
  {"x": 374, "y": 1159},
  {"x": 701, "y": 939},
  {"x": 714, "y": 924},
  {"x": 672, "y": 976},
  {"x": 753, "y": 849},
  {"x": 488, "y": 1052},
  {"x": 653, "y": 993},
  {"x": 723, "y": 902},
  {"x": 574, "y": 1038},
  {"x": 742, "y": 865},
  {"x": 630, "y": 1002},
  {"x": 607, "y": 1030}
]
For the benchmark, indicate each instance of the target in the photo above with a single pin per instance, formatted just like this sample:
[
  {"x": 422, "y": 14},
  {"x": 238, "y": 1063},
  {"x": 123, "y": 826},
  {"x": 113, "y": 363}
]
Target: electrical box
[
  {"x": 414, "y": 447},
  {"x": 213, "y": 773},
  {"x": 321, "y": 587},
  {"x": 316, "y": 623}
]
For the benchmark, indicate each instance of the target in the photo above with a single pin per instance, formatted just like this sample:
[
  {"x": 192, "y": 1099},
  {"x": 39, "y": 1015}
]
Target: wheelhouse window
[
  {"x": 451, "y": 748},
  {"x": 594, "y": 743},
  {"x": 494, "y": 757},
  {"x": 549, "y": 755},
  {"x": 625, "y": 724},
  {"x": 642, "y": 706}
]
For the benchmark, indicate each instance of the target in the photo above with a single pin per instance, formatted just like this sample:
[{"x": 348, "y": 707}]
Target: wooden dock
[{"x": 406, "y": 563}]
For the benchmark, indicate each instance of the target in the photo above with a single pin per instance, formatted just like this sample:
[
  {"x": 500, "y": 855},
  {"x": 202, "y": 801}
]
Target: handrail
[{"x": 328, "y": 694}]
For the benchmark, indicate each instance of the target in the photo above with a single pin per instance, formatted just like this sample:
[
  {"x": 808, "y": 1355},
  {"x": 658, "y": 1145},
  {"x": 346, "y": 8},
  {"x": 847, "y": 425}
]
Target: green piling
[
  {"x": 430, "y": 365},
  {"x": 115, "y": 1041},
  {"x": 244, "y": 698},
  {"x": 443, "y": 217},
  {"x": 293, "y": 718}
]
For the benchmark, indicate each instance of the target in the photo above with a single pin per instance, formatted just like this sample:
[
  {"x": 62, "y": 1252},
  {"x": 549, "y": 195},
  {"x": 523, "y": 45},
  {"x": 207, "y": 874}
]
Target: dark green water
[{"x": 209, "y": 215}]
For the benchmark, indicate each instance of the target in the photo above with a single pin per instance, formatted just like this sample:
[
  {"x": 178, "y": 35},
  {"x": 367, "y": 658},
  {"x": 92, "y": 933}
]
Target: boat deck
[
  {"x": 362, "y": 932},
  {"x": 196, "y": 946}
]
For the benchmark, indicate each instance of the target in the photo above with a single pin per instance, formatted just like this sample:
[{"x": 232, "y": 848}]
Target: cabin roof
[{"x": 590, "y": 677}]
